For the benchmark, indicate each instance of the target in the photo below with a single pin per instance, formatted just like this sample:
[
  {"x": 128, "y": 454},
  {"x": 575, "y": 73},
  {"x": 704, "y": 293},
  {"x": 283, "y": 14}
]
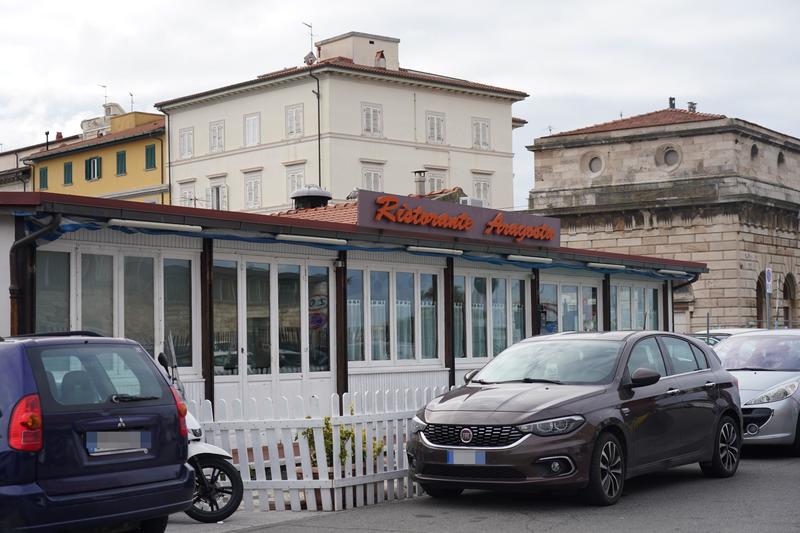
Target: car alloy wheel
[
  {"x": 611, "y": 469},
  {"x": 728, "y": 446}
]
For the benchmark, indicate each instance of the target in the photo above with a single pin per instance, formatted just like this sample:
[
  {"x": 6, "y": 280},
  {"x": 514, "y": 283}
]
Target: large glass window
[
  {"x": 355, "y": 315},
  {"x": 624, "y": 308},
  {"x": 459, "y": 316},
  {"x": 478, "y": 295},
  {"x": 680, "y": 354},
  {"x": 226, "y": 318},
  {"x": 638, "y": 308},
  {"x": 428, "y": 300},
  {"x": 139, "y": 297},
  {"x": 97, "y": 293},
  {"x": 319, "y": 319},
  {"x": 613, "y": 307},
  {"x": 178, "y": 308},
  {"x": 548, "y": 308},
  {"x": 379, "y": 315},
  {"x": 517, "y": 310},
  {"x": 404, "y": 295},
  {"x": 589, "y": 308},
  {"x": 259, "y": 352},
  {"x": 52, "y": 291},
  {"x": 289, "y": 317},
  {"x": 499, "y": 316},
  {"x": 569, "y": 308},
  {"x": 652, "y": 305}
]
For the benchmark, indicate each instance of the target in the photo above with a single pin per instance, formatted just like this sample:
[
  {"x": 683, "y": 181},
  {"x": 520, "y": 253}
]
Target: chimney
[
  {"x": 692, "y": 107},
  {"x": 310, "y": 196},
  {"x": 59, "y": 136},
  {"x": 672, "y": 102},
  {"x": 419, "y": 182}
]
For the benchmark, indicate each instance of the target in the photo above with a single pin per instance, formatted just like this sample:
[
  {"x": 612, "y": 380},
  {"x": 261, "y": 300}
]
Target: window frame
[
  {"x": 257, "y": 131},
  {"x": 186, "y": 143},
  {"x": 374, "y": 172},
  {"x": 484, "y": 130},
  {"x": 369, "y": 131},
  {"x": 124, "y": 160},
  {"x": 618, "y": 283},
  {"x": 67, "y": 165},
  {"x": 294, "y": 127},
  {"x": 44, "y": 179},
  {"x": 483, "y": 181},
  {"x": 218, "y": 146},
  {"x": 150, "y": 149},
  {"x": 183, "y": 188},
  {"x": 250, "y": 179},
  {"x": 292, "y": 172},
  {"x": 574, "y": 281},
  {"x": 366, "y": 267},
  {"x": 96, "y": 168},
  {"x": 439, "y": 133}
]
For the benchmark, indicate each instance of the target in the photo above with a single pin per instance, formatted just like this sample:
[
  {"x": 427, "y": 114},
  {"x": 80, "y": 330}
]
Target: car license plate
[
  {"x": 465, "y": 457},
  {"x": 108, "y": 442}
]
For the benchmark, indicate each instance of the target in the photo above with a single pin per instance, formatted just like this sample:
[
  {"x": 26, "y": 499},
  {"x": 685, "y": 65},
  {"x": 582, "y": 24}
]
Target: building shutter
[
  {"x": 99, "y": 167},
  {"x": 376, "y": 121},
  {"x": 209, "y": 204},
  {"x": 257, "y": 192},
  {"x": 476, "y": 134},
  {"x": 87, "y": 169},
  {"x": 223, "y": 192},
  {"x": 431, "y": 128},
  {"x": 150, "y": 156}
]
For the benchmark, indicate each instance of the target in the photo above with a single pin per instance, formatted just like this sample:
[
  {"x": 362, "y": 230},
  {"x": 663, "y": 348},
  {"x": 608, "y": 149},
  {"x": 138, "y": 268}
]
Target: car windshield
[
  {"x": 567, "y": 361},
  {"x": 760, "y": 352}
]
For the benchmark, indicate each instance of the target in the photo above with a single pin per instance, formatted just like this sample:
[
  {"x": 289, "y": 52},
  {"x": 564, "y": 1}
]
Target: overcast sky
[{"x": 582, "y": 62}]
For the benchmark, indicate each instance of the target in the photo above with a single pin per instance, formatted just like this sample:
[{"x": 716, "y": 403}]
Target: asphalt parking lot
[{"x": 764, "y": 496}]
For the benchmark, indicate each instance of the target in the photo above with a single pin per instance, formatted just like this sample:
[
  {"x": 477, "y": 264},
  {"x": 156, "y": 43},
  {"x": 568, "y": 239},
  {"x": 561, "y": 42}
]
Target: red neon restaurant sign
[{"x": 379, "y": 210}]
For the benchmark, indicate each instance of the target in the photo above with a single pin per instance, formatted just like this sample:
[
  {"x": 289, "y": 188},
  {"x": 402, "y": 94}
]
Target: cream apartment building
[{"x": 350, "y": 118}]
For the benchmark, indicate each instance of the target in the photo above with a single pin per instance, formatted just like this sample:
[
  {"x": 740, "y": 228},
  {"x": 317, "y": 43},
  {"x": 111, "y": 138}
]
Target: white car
[
  {"x": 767, "y": 365},
  {"x": 714, "y": 336}
]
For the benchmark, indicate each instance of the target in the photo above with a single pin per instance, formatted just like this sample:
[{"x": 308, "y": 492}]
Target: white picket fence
[{"x": 275, "y": 450}]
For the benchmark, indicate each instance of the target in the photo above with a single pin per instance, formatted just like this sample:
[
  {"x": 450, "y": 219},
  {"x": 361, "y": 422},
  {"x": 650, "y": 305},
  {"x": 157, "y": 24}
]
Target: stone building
[{"x": 680, "y": 184}]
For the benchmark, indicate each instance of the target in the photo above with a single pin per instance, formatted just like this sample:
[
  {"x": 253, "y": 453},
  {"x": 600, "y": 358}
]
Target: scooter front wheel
[{"x": 218, "y": 489}]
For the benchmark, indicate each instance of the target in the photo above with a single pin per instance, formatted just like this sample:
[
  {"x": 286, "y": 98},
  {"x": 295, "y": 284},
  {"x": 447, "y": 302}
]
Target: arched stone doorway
[
  {"x": 761, "y": 301},
  {"x": 788, "y": 302}
]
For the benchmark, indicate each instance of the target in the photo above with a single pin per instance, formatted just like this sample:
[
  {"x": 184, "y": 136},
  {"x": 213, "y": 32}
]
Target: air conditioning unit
[{"x": 476, "y": 202}]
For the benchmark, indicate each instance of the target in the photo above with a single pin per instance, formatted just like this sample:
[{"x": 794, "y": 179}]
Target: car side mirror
[
  {"x": 643, "y": 377},
  {"x": 162, "y": 360},
  {"x": 469, "y": 375}
]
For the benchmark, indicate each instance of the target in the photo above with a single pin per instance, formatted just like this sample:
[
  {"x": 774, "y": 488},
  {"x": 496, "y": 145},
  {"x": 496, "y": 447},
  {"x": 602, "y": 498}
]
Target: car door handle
[
  {"x": 673, "y": 392},
  {"x": 710, "y": 385}
]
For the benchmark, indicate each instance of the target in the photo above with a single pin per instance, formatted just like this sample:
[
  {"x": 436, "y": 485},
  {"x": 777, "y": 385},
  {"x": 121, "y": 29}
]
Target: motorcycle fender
[{"x": 201, "y": 448}]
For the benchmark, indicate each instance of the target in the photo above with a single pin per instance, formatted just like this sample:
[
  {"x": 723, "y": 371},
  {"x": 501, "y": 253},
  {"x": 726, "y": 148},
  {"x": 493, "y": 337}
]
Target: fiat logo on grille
[{"x": 466, "y": 435}]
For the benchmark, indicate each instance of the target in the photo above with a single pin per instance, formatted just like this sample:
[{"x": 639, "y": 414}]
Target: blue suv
[{"x": 91, "y": 435}]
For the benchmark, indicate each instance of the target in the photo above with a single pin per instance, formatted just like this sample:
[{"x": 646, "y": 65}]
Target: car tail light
[
  {"x": 25, "y": 427},
  {"x": 182, "y": 410}
]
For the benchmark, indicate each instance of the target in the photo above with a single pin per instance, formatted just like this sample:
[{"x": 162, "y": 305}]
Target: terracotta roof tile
[
  {"x": 344, "y": 63},
  {"x": 663, "y": 117},
  {"x": 105, "y": 139},
  {"x": 344, "y": 213}
]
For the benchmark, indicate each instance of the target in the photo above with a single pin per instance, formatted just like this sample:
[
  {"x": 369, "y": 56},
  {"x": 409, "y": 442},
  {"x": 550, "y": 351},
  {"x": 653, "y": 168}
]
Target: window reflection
[
  {"x": 319, "y": 344},
  {"x": 459, "y": 317},
  {"x": 613, "y": 306},
  {"x": 428, "y": 296},
  {"x": 379, "y": 315},
  {"x": 624, "y": 308},
  {"x": 259, "y": 353},
  {"x": 589, "y": 308},
  {"x": 404, "y": 294},
  {"x": 178, "y": 308},
  {"x": 548, "y": 308},
  {"x": 355, "y": 315},
  {"x": 226, "y": 318},
  {"x": 499, "y": 316},
  {"x": 478, "y": 295},
  {"x": 52, "y": 291},
  {"x": 139, "y": 294},
  {"x": 569, "y": 308},
  {"x": 97, "y": 293},
  {"x": 289, "y": 342},
  {"x": 517, "y": 310}
]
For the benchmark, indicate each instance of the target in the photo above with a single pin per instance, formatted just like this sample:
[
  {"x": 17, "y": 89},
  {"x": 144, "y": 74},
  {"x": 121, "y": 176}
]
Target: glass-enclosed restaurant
[{"x": 382, "y": 293}]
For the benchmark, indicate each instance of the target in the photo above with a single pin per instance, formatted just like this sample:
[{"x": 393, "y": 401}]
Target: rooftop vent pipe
[{"x": 310, "y": 196}]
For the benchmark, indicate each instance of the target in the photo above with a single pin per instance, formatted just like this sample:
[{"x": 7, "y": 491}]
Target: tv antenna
[
  {"x": 131, "y": 94},
  {"x": 105, "y": 92},
  {"x": 310, "y": 27}
]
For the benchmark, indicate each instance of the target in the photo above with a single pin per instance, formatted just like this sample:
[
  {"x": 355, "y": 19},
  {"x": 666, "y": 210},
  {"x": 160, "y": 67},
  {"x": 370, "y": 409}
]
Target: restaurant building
[{"x": 380, "y": 293}]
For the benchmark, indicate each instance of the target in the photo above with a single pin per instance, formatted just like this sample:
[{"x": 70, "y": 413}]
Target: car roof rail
[{"x": 75, "y": 333}]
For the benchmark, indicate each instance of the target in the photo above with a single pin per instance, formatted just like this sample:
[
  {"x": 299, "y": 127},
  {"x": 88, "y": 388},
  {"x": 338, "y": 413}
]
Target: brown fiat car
[{"x": 580, "y": 411}]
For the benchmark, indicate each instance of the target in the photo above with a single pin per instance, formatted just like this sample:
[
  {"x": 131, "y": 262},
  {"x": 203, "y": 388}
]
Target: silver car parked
[{"x": 767, "y": 365}]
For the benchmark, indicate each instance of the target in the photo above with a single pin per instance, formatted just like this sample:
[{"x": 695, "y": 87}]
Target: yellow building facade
[{"x": 124, "y": 164}]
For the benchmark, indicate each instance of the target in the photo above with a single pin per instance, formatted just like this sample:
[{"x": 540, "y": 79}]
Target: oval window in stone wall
[
  {"x": 671, "y": 157},
  {"x": 595, "y": 165}
]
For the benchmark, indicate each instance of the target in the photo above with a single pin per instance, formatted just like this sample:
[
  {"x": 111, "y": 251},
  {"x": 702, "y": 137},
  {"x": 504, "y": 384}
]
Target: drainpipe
[
  {"x": 319, "y": 131},
  {"x": 14, "y": 289},
  {"x": 168, "y": 165}
]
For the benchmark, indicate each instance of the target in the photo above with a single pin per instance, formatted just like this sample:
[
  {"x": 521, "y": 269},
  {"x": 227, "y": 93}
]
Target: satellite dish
[{"x": 310, "y": 59}]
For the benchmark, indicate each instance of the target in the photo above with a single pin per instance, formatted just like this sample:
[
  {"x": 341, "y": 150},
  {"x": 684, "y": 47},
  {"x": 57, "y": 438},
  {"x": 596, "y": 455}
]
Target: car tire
[
  {"x": 440, "y": 492},
  {"x": 727, "y": 450},
  {"x": 154, "y": 525},
  {"x": 606, "y": 471}
]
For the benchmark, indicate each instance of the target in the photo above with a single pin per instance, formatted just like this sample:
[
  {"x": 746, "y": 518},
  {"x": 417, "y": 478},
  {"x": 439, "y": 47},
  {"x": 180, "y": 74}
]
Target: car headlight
[
  {"x": 554, "y": 426},
  {"x": 776, "y": 394},
  {"x": 417, "y": 425}
]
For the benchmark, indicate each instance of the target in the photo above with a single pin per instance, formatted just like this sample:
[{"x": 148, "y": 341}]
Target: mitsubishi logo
[
  {"x": 466, "y": 435},
  {"x": 121, "y": 423}
]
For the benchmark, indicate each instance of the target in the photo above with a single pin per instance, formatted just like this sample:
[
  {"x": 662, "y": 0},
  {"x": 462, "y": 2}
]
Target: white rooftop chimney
[{"x": 363, "y": 49}]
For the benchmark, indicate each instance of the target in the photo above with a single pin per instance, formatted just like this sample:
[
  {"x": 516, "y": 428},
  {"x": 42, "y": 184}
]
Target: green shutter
[
  {"x": 43, "y": 178},
  {"x": 150, "y": 156},
  {"x": 68, "y": 173},
  {"x": 87, "y": 169},
  {"x": 99, "y": 167},
  {"x": 121, "y": 163}
]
